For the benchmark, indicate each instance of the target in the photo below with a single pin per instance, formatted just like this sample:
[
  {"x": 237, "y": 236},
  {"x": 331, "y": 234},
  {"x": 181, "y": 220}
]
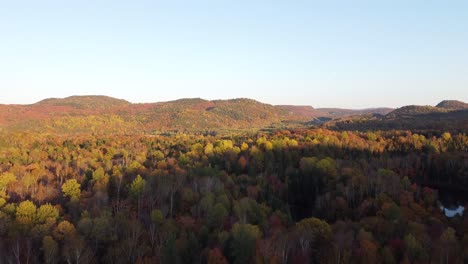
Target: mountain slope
[
  {"x": 339, "y": 112},
  {"x": 102, "y": 114},
  {"x": 85, "y": 102},
  {"x": 411, "y": 110},
  {"x": 412, "y": 117},
  {"x": 452, "y": 105}
]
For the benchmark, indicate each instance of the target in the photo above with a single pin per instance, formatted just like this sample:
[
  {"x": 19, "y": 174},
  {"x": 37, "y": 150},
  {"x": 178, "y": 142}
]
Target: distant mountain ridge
[
  {"x": 338, "y": 112},
  {"x": 101, "y": 114},
  {"x": 450, "y": 115}
]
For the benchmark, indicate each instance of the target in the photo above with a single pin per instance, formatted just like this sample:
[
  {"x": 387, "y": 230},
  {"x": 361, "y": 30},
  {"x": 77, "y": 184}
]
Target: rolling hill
[
  {"x": 412, "y": 110},
  {"x": 447, "y": 115},
  {"x": 452, "y": 105},
  {"x": 85, "y": 102},
  {"x": 98, "y": 114},
  {"x": 339, "y": 112},
  {"x": 103, "y": 114}
]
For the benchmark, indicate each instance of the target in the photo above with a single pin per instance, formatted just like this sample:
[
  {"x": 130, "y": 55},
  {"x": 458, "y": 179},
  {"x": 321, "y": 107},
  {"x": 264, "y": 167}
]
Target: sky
[{"x": 350, "y": 54}]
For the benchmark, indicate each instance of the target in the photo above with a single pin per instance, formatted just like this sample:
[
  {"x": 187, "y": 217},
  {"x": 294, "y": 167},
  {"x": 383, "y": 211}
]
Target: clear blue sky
[{"x": 321, "y": 53}]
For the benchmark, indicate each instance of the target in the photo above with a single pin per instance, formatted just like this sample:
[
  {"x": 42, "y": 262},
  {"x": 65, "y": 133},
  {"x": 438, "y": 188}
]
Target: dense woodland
[{"x": 290, "y": 196}]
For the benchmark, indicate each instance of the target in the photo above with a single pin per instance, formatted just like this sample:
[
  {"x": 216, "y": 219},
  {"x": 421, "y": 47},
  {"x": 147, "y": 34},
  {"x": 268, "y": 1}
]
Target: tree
[
  {"x": 448, "y": 241},
  {"x": 101, "y": 229},
  {"x": 137, "y": 186},
  {"x": 446, "y": 136},
  {"x": 98, "y": 174},
  {"x": 327, "y": 166},
  {"x": 64, "y": 230},
  {"x": 116, "y": 181},
  {"x": 26, "y": 214},
  {"x": 313, "y": 237},
  {"x": 101, "y": 182},
  {"x": 136, "y": 190},
  {"x": 170, "y": 185},
  {"x": 414, "y": 247},
  {"x": 244, "y": 147},
  {"x": 367, "y": 246},
  {"x": 390, "y": 211},
  {"x": 216, "y": 215},
  {"x": 50, "y": 250},
  {"x": 243, "y": 245},
  {"x": 189, "y": 248},
  {"x": 46, "y": 212},
  {"x": 71, "y": 189},
  {"x": 343, "y": 238},
  {"x": 387, "y": 256},
  {"x": 75, "y": 251},
  {"x": 369, "y": 250},
  {"x": 6, "y": 178},
  {"x": 215, "y": 256},
  {"x": 208, "y": 149},
  {"x": 154, "y": 232}
]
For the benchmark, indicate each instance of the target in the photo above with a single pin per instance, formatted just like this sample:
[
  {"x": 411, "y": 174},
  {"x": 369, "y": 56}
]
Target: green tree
[
  {"x": 243, "y": 245},
  {"x": 216, "y": 215},
  {"x": 101, "y": 229},
  {"x": 413, "y": 246},
  {"x": 390, "y": 211},
  {"x": 136, "y": 190},
  {"x": 327, "y": 166},
  {"x": 317, "y": 228},
  {"x": 137, "y": 186},
  {"x": 316, "y": 236}
]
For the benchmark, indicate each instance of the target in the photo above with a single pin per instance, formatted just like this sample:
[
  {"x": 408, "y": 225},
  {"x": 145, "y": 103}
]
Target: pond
[{"x": 452, "y": 203}]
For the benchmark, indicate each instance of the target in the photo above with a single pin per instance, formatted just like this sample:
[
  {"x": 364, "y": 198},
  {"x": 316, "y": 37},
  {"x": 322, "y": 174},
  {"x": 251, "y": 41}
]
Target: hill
[
  {"x": 103, "y": 114},
  {"x": 452, "y": 105},
  {"x": 339, "y": 112},
  {"x": 411, "y": 110},
  {"x": 445, "y": 116},
  {"x": 442, "y": 107},
  {"x": 299, "y": 111},
  {"x": 199, "y": 114},
  {"x": 97, "y": 114},
  {"x": 85, "y": 102}
]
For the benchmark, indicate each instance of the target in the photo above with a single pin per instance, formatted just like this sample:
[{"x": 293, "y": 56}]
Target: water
[
  {"x": 452, "y": 203},
  {"x": 453, "y": 211}
]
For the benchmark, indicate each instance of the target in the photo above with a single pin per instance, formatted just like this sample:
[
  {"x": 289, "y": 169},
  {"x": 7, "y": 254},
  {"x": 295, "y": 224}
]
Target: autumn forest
[{"x": 100, "y": 180}]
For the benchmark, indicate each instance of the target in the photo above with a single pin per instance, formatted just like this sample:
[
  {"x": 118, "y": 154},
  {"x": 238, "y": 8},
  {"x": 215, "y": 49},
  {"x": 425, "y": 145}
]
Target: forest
[
  {"x": 233, "y": 132},
  {"x": 283, "y": 196}
]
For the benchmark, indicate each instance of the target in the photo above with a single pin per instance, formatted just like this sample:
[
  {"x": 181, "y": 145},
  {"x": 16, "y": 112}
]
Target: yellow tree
[
  {"x": 71, "y": 189},
  {"x": 26, "y": 214}
]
